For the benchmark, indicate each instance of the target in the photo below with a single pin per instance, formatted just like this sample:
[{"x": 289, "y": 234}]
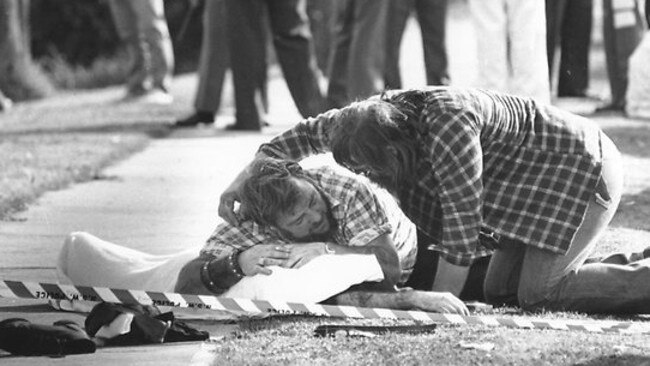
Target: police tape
[{"x": 54, "y": 291}]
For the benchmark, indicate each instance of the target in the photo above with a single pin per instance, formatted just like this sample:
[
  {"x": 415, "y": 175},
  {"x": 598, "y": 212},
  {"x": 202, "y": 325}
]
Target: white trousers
[{"x": 511, "y": 47}]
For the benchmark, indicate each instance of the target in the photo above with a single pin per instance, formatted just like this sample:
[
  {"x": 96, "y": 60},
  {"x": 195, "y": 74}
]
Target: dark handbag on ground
[
  {"x": 20, "y": 337},
  {"x": 148, "y": 325}
]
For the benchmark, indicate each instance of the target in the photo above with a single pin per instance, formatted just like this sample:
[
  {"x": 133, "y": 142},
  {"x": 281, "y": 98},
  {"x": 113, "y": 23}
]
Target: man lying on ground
[{"x": 295, "y": 215}]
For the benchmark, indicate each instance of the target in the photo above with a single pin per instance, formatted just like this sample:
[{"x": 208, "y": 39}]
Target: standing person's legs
[
  {"x": 343, "y": 23},
  {"x": 247, "y": 43},
  {"x": 554, "y": 18},
  {"x": 489, "y": 21},
  {"x": 152, "y": 25},
  {"x": 575, "y": 44},
  {"x": 126, "y": 24},
  {"x": 528, "y": 58},
  {"x": 432, "y": 15},
  {"x": 295, "y": 50},
  {"x": 214, "y": 59},
  {"x": 622, "y": 33},
  {"x": 399, "y": 12},
  {"x": 367, "y": 49}
]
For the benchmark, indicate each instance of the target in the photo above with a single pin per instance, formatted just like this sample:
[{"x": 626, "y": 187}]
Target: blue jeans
[{"x": 540, "y": 279}]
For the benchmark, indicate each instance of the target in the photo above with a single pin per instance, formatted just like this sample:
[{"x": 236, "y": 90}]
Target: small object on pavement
[
  {"x": 331, "y": 330},
  {"x": 479, "y": 307}
]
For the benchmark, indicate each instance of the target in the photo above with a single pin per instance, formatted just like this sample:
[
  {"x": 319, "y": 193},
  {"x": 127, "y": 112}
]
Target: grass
[
  {"x": 104, "y": 71},
  {"x": 281, "y": 342},
  {"x": 45, "y": 146}
]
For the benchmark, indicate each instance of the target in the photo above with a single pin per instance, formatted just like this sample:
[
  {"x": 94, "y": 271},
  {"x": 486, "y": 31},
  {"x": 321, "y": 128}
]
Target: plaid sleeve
[
  {"x": 309, "y": 137},
  {"x": 365, "y": 217},
  {"x": 226, "y": 238},
  {"x": 456, "y": 158}
]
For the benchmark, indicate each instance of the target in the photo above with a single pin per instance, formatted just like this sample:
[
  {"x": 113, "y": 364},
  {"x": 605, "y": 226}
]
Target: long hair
[
  {"x": 270, "y": 191},
  {"x": 380, "y": 135}
]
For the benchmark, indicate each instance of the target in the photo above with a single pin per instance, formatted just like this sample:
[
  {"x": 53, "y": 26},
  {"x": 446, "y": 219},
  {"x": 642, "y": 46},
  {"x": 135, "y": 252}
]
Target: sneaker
[
  {"x": 156, "y": 96},
  {"x": 5, "y": 104},
  {"x": 80, "y": 306},
  {"x": 19, "y": 336},
  {"x": 610, "y": 108}
]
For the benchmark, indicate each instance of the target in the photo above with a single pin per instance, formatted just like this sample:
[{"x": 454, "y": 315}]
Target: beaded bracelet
[
  {"x": 233, "y": 264},
  {"x": 206, "y": 279}
]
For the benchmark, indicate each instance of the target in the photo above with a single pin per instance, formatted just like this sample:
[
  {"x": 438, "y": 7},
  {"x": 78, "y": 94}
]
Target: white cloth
[
  {"x": 637, "y": 100},
  {"x": 314, "y": 282},
  {"x": 511, "y": 47},
  {"x": 86, "y": 260}
]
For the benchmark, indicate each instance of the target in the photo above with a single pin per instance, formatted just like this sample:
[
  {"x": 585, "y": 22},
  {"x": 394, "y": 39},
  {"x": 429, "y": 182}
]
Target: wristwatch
[{"x": 328, "y": 250}]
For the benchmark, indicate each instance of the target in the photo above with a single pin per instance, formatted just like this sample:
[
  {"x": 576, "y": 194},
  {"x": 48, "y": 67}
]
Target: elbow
[{"x": 393, "y": 274}]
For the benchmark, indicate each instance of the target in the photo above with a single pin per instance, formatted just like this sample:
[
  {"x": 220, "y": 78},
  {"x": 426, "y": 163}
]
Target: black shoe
[
  {"x": 199, "y": 117},
  {"x": 238, "y": 127},
  {"x": 20, "y": 337},
  {"x": 610, "y": 108}
]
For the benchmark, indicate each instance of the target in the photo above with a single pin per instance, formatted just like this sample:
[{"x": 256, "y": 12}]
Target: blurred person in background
[
  {"x": 622, "y": 32},
  {"x": 213, "y": 64},
  {"x": 142, "y": 27},
  {"x": 5, "y": 103},
  {"x": 569, "y": 23},
  {"x": 431, "y": 15},
  {"x": 292, "y": 40},
  {"x": 357, "y": 62},
  {"x": 511, "y": 47}
]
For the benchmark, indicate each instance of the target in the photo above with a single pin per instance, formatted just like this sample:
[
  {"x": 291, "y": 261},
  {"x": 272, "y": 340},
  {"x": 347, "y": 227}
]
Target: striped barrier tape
[{"x": 53, "y": 291}]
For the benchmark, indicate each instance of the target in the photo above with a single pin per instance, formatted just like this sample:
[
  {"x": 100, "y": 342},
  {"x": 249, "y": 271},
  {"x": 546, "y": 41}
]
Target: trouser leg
[
  {"x": 432, "y": 15},
  {"x": 214, "y": 58},
  {"x": 295, "y": 50},
  {"x": 575, "y": 44},
  {"x": 566, "y": 282},
  {"x": 247, "y": 43},
  {"x": 152, "y": 25},
  {"x": 399, "y": 12},
  {"x": 367, "y": 49},
  {"x": 126, "y": 24},
  {"x": 343, "y": 23},
  {"x": 527, "y": 46},
  {"x": 490, "y": 26},
  {"x": 622, "y": 32}
]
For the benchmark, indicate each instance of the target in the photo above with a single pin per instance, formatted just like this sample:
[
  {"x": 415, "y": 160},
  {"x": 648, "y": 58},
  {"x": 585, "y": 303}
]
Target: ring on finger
[{"x": 261, "y": 261}]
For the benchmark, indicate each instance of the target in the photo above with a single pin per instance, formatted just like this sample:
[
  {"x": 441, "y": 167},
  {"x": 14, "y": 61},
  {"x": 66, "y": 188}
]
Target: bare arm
[
  {"x": 231, "y": 194},
  {"x": 404, "y": 299},
  {"x": 450, "y": 277}
]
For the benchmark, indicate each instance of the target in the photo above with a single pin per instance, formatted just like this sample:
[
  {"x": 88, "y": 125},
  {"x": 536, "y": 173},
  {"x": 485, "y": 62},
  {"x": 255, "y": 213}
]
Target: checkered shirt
[
  {"x": 362, "y": 212},
  {"x": 487, "y": 160}
]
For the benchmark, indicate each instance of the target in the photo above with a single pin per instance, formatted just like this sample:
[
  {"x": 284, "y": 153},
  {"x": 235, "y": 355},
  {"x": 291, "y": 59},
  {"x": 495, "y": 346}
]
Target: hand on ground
[{"x": 439, "y": 302}]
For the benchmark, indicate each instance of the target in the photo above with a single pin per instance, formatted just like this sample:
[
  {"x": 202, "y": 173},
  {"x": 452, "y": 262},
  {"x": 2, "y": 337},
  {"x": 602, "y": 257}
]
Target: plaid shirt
[
  {"x": 362, "y": 212},
  {"x": 487, "y": 160}
]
